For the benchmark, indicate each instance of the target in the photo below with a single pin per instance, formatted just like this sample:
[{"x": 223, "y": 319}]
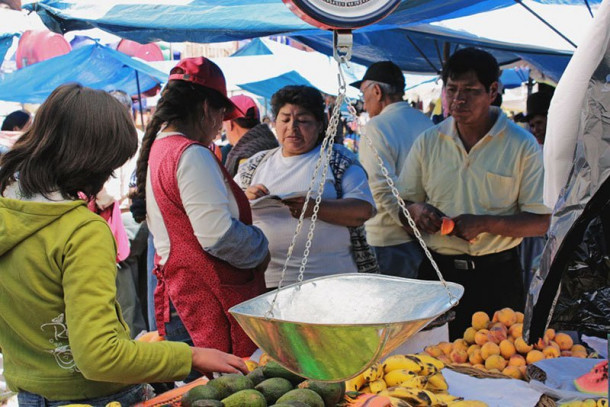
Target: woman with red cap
[{"x": 209, "y": 256}]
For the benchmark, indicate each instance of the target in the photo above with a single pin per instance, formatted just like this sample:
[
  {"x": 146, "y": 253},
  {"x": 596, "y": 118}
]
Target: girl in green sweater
[{"x": 62, "y": 335}]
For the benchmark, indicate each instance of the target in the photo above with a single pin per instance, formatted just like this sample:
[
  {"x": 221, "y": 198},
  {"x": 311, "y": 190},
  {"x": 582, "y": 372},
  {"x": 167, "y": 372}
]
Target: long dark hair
[
  {"x": 180, "y": 102},
  {"x": 80, "y": 136}
]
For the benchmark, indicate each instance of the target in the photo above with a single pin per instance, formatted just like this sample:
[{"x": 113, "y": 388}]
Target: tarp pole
[
  {"x": 589, "y": 8},
  {"x": 422, "y": 54},
  {"x": 140, "y": 100},
  {"x": 546, "y": 22}
]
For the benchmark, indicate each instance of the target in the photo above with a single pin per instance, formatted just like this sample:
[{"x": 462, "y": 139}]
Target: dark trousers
[{"x": 491, "y": 282}]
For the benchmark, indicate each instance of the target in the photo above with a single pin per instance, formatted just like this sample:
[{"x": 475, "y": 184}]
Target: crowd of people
[{"x": 218, "y": 222}]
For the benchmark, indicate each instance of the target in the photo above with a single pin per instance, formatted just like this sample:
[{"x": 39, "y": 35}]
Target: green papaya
[
  {"x": 229, "y": 384},
  {"x": 331, "y": 393},
  {"x": 203, "y": 392},
  {"x": 249, "y": 397},
  {"x": 274, "y": 369},
  {"x": 256, "y": 376},
  {"x": 208, "y": 403},
  {"x": 274, "y": 388},
  {"x": 309, "y": 397},
  {"x": 292, "y": 403}
]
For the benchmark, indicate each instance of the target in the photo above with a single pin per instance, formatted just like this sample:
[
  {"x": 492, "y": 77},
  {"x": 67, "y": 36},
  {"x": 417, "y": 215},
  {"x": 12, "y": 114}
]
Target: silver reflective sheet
[{"x": 332, "y": 328}]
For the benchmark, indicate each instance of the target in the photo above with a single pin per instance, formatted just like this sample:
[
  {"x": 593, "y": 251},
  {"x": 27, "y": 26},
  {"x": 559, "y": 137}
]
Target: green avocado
[
  {"x": 331, "y": 393},
  {"x": 256, "y": 376},
  {"x": 274, "y": 388},
  {"x": 249, "y": 397},
  {"x": 229, "y": 384},
  {"x": 274, "y": 369},
  {"x": 309, "y": 397},
  {"x": 208, "y": 403},
  {"x": 203, "y": 392}
]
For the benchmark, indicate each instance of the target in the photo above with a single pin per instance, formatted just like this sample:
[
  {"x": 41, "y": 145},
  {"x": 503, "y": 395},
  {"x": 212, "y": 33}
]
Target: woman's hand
[
  {"x": 295, "y": 205},
  {"x": 208, "y": 361},
  {"x": 256, "y": 191}
]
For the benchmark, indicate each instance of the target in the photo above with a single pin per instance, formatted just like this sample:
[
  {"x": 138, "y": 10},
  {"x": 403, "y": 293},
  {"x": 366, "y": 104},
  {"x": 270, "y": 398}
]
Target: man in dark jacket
[{"x": 246, "y": 134}]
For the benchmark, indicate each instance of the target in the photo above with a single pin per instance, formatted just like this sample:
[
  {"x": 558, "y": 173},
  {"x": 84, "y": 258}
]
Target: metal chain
[
  {"x": 405, "y": 212},
  {"x": 323, "y": 161}
]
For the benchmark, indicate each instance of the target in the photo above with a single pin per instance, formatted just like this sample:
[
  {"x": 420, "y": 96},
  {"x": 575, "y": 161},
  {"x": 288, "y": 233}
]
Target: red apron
[{"x": 201, "y": 286}]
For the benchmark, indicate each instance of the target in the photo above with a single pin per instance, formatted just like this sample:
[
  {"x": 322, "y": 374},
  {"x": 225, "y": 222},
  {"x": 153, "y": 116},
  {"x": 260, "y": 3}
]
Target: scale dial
[{"x": 341, "y": 14}]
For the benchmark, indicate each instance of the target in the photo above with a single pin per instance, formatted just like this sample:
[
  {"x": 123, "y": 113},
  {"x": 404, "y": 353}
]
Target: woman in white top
[
  {"x": 287, "y": 172},
  {"x": 209, "y": 256}
]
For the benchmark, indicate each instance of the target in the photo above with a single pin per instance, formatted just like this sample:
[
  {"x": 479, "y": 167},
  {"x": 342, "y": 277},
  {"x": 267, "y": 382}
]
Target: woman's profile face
[
  {"x": 297, "y": 130},
  {"x": 211, "y": 124}
]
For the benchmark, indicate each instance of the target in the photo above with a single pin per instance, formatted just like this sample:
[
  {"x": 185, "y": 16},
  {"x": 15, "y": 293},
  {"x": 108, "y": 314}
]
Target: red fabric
[{"x": 201, "y": 286}]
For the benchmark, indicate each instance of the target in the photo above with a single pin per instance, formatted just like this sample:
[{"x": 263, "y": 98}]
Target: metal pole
[
  {"x": 140, "y": 100},
  {"x": 546, "y": 23},
  {"x": 422, "y": 54}
]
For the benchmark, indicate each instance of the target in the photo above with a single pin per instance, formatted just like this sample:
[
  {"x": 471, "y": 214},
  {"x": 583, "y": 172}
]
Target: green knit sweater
[{"x": 61, "y": 330}]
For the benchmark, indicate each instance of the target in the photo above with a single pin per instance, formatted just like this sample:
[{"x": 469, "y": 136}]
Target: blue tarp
[
  {"x": 515, "y": 77},
  {"x": 418, "y": 51},
  {"x": 227, "y": 20},
  {"x": 254, "y": 47},
  {"x": 95, "y": 66},
  {"x": 268, "y": 87},
  {"x": 6, "y": 40},
  {"x": 220, "y": 20},
  {"x": 406, "y": 37}
]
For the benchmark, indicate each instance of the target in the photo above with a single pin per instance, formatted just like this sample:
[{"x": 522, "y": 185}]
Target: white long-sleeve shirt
[{"x": 212, "y": 211}]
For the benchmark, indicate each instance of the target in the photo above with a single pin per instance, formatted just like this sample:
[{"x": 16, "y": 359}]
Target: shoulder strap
[
  {"x": 340, "y": 160},
  {"x": 249, "y": 168}
]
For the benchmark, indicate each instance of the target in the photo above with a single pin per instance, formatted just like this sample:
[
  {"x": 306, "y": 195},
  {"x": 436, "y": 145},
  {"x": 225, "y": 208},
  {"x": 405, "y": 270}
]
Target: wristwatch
[{"x": 341, "y": 14}]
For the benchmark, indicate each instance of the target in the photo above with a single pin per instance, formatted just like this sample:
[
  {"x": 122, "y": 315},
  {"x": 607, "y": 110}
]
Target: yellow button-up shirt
[{"x": 501, "y": 175}]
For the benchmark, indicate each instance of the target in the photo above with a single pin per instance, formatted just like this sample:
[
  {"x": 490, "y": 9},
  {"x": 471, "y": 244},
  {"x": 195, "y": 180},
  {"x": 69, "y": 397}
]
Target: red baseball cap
[
  {"x": 247, "y": 107},
  {"x": 204, "y": 72}
]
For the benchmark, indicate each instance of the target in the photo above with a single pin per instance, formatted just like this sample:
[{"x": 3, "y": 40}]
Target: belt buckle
[{"x": 463, "y": 264}]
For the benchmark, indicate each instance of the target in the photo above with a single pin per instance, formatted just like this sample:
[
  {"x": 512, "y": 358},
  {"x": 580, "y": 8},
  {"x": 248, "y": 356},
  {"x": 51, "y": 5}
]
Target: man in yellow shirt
[{"x": 484, "y": 172}]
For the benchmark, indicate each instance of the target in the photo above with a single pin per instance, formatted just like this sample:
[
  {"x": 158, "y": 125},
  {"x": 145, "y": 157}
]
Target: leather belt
[{"x": 466, "y": 262}]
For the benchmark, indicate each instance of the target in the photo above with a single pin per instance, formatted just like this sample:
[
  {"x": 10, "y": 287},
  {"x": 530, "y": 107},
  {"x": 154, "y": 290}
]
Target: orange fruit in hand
[{"x": 447, "y": 225}]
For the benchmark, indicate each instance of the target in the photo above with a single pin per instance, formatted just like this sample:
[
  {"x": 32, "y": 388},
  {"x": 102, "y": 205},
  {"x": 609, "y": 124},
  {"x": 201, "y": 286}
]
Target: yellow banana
[
  {"x": 425, "y": 358},
  {"x": 415, "y": 397},
  {"x": 437, "y": 382},
  {"x": 366, "y": 389},
  {"x": 373, "y": 373},
  {"x": 429, "y": 369},
  {"x": 447, "y": 398},
  {"x": 377, "y": 386},
  {"x": 467, "y": 403},
  {"x": 396, "y": 402},
  {"x": 603, "y": 402},
  {"x": 355, "y": 383},
  {"x": 415, "y": 382},
  {"x": 433, "y": 397},
  {"x": 395, "y": 377},
  {"x": 395, "y": 362}
]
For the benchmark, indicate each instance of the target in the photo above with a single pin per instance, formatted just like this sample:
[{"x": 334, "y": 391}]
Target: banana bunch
[{"x": 408, "y": 380}]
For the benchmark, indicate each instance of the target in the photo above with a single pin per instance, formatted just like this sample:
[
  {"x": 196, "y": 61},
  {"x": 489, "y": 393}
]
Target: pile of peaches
[{"x": 497, "y": 345}]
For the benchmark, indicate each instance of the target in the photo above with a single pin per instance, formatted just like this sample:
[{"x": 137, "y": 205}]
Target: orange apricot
[{"x": 480, "y": 320}]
